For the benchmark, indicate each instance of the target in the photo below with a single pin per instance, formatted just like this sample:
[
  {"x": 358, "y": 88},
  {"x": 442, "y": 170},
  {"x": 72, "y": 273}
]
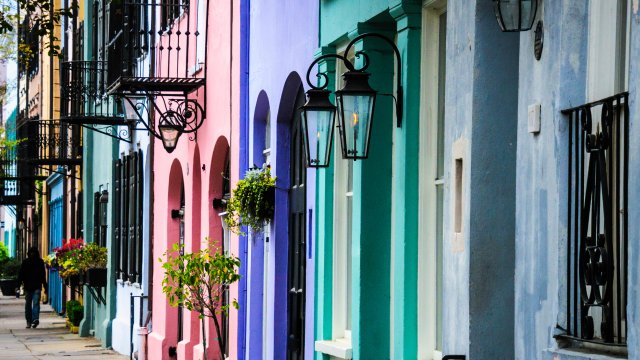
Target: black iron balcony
[
  {"x": 83, "y": 95},
  {"x": 17, "y": 178},
  {"x": 168, "y": 41},
  {"x": 50, "y": 142}
]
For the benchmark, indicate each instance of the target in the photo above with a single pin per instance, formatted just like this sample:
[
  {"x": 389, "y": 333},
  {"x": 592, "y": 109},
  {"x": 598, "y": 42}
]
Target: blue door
[{"x": 55, "y": 240}]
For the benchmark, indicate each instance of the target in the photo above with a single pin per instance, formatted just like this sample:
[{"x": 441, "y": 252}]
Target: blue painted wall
[
  {"x": 558, "y": 81},
  {"x": 481, "y": 110}
]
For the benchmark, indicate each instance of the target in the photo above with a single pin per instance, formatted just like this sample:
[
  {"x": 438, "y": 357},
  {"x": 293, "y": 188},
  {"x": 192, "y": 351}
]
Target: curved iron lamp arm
[
  {"x": 323, "y": 75},
  {"x": 396, "y": 51},
  {"x": 324, "y": 82}
]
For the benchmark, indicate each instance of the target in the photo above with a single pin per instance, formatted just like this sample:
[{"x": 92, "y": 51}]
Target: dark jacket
[{"x": 32, "y": 274}]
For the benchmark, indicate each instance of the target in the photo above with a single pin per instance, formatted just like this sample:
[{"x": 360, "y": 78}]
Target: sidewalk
[{"x": 51, "y": 340}]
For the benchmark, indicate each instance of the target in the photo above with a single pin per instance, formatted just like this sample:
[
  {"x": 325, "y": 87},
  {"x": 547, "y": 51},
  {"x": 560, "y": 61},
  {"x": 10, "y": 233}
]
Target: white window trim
[
  {"x": 427, "y": 247},
  {"x": 201, "y": 45},
  {"x": 340, "y": 345}
]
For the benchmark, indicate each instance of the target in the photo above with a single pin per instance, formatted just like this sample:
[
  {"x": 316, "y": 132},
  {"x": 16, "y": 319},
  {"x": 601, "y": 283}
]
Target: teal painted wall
[
  {"x": 385, "y": 199},
  {"x": 99, "y": 153}
]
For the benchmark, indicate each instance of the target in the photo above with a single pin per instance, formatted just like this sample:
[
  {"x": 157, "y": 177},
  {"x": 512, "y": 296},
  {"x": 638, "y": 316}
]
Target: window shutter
[
  {"x": 117, "y": 165},
  {"x": 96, "y": 218},
  {"x": 124, "y": 224},
  {"x": 139, "y": 214},
  {"x": 133, "y": 159}
]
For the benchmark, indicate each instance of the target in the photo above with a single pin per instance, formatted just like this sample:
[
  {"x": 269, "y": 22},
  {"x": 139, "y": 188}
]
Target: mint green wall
[
  {"x": 392, "y": 168},
  {"x": 99, "y": 152}
]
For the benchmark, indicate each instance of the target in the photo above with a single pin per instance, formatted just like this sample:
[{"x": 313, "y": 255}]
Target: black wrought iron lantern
[
  {"x": 103, "y": 200},
  {"x": 169, "y": 134},
  {"x": 515, "y": 15},
  {"x": 318, "y": 119},
  {"x": 356, "y": 103},
  {"x": 180, "y": 116}
]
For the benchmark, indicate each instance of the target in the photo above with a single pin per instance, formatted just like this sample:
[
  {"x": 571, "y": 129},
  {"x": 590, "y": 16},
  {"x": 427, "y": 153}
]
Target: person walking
[{"x": 32, "y": 276}]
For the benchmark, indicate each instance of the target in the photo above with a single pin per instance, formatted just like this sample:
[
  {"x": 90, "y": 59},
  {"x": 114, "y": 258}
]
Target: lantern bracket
[
  {"x": 324, "y": 78},
  {"x": 178, "y": 110}
]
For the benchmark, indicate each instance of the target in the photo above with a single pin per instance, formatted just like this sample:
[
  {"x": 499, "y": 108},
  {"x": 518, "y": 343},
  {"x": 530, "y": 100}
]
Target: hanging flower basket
[{"x": 252, "y": 201}]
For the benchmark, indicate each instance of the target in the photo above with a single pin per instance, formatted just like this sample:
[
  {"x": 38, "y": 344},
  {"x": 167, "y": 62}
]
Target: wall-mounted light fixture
[
  {"x": 356, "y": 103},
  {"x": 181, "y": 116},
  {"x": 177, "y": 213},
  {"x": 103, "y": 200},
  {"x": 515, "y": 15}
]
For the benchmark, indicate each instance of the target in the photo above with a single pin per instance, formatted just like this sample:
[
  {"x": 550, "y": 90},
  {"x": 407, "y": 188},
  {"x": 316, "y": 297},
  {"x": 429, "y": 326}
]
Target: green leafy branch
[{"x": 200, "y": 282}]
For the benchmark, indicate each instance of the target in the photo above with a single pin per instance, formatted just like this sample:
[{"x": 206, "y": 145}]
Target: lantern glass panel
[
  {"x": 170, "y": 135},
  {"x": 517, "y": 15},
  {"x": 317, "y": 126},
  {"x": 356, "y": 111}
]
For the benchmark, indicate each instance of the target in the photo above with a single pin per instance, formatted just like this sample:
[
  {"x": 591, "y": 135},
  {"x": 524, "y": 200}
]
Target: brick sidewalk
[{"x": 51, "y": 340}]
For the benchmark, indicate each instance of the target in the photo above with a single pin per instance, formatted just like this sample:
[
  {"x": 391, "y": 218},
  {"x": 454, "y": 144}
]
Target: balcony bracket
[{"x": 114, "y": 131}]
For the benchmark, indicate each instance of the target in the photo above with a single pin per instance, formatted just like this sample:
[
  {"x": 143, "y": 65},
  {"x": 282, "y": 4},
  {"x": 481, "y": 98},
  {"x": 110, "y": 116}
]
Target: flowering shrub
[{"x": 93, "y": 256}]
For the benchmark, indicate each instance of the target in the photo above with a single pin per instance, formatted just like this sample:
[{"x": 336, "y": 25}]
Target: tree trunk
[
  {"x": 204, "y": 337},
  {"x": 220, "y": 340}
]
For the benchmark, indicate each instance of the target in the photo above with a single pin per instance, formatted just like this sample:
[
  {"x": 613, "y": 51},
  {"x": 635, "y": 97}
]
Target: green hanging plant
[{"x": 252, "y": 201}]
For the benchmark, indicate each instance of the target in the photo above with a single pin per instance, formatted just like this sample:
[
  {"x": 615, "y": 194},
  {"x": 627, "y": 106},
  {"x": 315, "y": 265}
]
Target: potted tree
[
  {"x": 94, "y": 265},
  {"x": 9, "y": 270},
  {"x": 252, "y": 201},
  {"x": 200, "y": 282}
]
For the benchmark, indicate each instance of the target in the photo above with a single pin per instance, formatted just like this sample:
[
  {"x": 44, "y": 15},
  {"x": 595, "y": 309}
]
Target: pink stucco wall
[{"x": 197, "y": 164}]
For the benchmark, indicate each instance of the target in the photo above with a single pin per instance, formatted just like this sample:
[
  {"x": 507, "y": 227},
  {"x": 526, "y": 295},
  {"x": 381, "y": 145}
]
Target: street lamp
[
  {"x": 515, "y": 15},
  {"x": 356, "y": 104}
]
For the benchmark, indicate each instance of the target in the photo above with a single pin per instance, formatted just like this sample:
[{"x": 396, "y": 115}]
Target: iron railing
[
  {"x": 169, "y": 39},
  {"x": 17, "y": 178},
  {"x": 83, "y": 94},
  {"x": 52, "y": 142},
  {"x": 597, "y": 231}
]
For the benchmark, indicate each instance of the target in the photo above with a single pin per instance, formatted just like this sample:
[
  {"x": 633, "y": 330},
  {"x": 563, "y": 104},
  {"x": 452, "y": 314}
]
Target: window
[
  {"x": 201, "y": 37},
  {"x": 171, "y": 10},
  {"x": 100, "y": 217},
  {"x": 598, "y": 185},
  {"x": 127, "y": 219},
  {"x": 431, "y": 205}
]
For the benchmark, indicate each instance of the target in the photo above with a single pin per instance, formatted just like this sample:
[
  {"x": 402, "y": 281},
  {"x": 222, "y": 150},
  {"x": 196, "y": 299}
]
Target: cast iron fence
[{"x": 597, "y": 228}]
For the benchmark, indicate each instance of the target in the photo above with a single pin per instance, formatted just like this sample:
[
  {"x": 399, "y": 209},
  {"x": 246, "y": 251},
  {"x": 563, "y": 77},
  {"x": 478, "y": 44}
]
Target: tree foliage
[
  {"x": 41, "y": 12},
  {"x": 200, "y": 282}
]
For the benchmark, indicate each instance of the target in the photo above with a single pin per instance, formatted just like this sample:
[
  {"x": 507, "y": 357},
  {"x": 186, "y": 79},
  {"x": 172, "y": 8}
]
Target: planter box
[
  {"x": 8, "y": 286},
  {"x": 73, "y": 281},
  {"x": 96, "y": 277}
]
